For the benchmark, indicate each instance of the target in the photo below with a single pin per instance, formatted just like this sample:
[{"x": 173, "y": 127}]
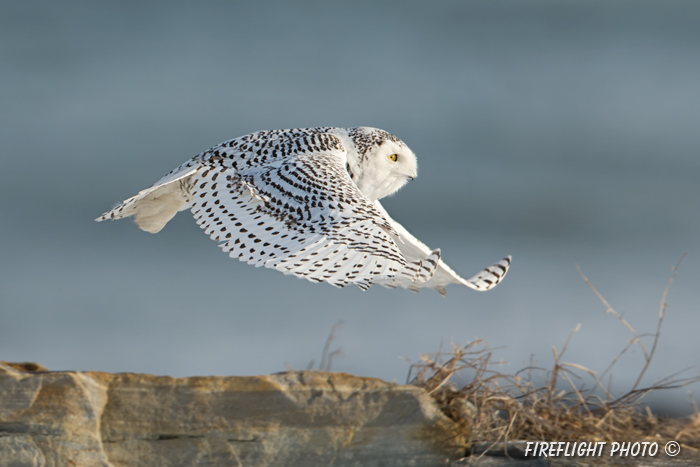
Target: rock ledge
[{"x": 300, "y": 418}]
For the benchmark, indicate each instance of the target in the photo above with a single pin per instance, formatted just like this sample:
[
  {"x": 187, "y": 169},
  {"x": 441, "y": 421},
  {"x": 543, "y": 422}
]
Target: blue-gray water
[{"x": 560, "y": 132}]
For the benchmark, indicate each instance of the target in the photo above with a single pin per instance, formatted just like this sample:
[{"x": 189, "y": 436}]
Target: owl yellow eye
[{"x": 393, "y": 158}]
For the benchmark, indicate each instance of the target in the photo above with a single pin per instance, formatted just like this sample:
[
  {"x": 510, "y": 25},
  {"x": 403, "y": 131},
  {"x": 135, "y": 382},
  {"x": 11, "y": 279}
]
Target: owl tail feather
[
  {"x": 153, "y": 207},
  {"x": 150, "y": 213}
]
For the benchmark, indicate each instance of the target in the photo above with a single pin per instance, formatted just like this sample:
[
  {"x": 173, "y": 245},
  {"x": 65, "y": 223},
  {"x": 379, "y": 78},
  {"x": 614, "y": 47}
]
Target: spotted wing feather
[
  {"x": 414, "y": 250},
  {"x": 302, "y": 215}
]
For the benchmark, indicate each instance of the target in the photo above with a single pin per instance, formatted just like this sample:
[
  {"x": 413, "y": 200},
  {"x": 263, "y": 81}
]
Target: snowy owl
[{"x": 305, "y": 202}]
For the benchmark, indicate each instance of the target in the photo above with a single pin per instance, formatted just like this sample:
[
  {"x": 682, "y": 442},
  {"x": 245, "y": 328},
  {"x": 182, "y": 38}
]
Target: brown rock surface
[
  {"x": 303, "y": 418},
  {"x": 50, "y": 418}
]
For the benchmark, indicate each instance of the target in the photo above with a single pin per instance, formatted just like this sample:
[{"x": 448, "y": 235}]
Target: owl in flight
[{"x": 305, "y": 202}]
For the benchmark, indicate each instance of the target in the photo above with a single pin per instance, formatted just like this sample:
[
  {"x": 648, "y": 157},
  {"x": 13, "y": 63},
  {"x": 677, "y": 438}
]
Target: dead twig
[
  {"x": 662, "y": 312},
  {"x": 325, "y": 356}
]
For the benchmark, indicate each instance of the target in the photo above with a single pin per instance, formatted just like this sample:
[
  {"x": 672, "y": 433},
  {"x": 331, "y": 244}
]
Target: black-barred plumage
[{"x": 305, "y": 202}]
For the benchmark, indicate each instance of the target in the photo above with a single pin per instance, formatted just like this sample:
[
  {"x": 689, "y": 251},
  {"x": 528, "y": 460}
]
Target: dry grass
[
  {"x": 496, "y": 407},
  {"x": 327, "y": 355}
]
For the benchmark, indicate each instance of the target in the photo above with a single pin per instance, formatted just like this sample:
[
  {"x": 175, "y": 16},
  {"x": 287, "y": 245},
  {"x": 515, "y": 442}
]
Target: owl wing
[
  {"x": 303, "y": 215},
  {"x": 414, "y": 250}
]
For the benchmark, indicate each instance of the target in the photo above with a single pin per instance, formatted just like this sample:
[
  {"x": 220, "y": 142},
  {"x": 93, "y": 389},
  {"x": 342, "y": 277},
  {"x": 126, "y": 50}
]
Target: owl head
[{"x": 378, "y": 162}]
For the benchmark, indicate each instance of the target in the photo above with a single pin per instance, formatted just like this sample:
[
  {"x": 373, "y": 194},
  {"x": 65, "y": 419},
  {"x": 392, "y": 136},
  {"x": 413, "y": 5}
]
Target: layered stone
[{"x": 300, "y": 418}]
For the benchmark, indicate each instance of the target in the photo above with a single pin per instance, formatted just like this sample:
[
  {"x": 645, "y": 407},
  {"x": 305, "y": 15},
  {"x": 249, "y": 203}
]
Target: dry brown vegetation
[{"x": 495, "y": 407}]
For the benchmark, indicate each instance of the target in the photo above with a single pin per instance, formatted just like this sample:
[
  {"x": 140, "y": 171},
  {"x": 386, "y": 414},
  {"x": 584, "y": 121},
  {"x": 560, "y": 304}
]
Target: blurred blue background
[{"x": 561, "y": 132}]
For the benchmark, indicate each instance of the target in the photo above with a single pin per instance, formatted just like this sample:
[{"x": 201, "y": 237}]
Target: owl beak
[{"x": 411, "y": 178}]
